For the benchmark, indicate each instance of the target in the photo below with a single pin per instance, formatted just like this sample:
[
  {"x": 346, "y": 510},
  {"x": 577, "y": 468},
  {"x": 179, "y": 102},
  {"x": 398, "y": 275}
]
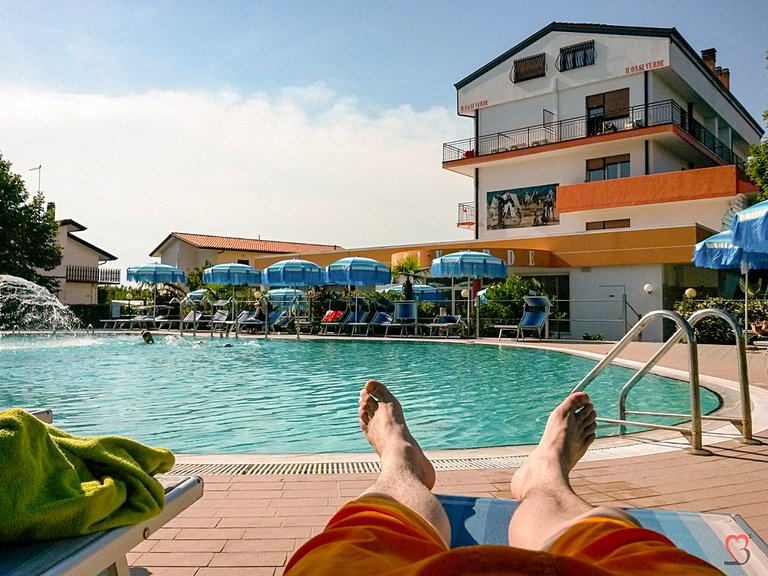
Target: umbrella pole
[
  {"x": 469, "y": 304},
  {"x": 746, "y": 296}
]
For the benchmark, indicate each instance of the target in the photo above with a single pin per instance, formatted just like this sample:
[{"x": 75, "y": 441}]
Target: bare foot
[
  {"x": 383, "y": 423},
  {"x": 566, "y": 438}
]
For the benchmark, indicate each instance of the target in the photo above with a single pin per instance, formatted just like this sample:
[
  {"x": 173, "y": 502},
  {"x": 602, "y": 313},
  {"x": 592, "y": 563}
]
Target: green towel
[{"x": 55, "y": 485}]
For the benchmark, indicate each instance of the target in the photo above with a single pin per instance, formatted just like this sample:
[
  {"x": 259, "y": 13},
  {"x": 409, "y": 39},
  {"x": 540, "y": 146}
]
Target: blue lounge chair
[
  {"x": 405, "y": 318},
  {"x": 535, "y": 318},
  {"x": 448, "y": 323},
  {"x": 379, "y": 320},
  {"x": 705, "y": 535}
]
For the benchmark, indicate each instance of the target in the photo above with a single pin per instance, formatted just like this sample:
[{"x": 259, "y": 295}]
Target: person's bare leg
[
  {"x": 547, "y": 501},
  {"x": 407, "y": 476}
]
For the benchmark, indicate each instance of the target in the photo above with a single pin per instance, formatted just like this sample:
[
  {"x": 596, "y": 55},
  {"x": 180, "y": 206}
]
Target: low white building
[{"x": 81, "y": 269}]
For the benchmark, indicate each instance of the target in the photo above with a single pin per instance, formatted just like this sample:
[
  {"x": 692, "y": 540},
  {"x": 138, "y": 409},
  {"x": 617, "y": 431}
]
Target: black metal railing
[
  {"x": 466, "y": 213},
  {"x": 93, "y": 274},
  {"x": 653, "y": 114}
]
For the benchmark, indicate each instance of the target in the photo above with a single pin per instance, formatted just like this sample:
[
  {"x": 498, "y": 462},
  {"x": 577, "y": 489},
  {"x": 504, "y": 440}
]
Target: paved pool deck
[{"x": 251, "y": 523}]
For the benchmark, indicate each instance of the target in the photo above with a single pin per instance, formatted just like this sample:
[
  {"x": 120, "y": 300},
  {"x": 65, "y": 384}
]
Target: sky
[{"x": 300, "y": 121}]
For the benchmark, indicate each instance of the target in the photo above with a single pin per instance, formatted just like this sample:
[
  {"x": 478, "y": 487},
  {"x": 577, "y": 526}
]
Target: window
[
  {"x": 606, "y": 106},
  {"x": 608, "y": 168},
  {"x": 528, "y": 68},
  {"x": 576, "y": 56},
  {"x": 243, "y": 262},
  {"x": 608, "y": 224}
]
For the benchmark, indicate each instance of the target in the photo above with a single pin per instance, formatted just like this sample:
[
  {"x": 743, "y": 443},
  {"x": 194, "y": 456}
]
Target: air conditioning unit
[
  {"x": 638, "y": 123},
  {"x": 609, "y": 127}
]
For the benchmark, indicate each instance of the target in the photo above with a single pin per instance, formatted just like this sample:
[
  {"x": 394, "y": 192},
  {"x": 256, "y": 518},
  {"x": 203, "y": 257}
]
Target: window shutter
[{"x": 617, "y": 103}]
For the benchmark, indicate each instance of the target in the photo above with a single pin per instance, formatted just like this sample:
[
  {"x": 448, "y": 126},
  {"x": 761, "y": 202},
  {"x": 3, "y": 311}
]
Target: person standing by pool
[{"x": 397, "y": 526}]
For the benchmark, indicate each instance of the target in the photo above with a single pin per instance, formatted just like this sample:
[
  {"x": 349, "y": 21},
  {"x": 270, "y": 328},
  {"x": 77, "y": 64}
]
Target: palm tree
[{"x": 411, "y": 268}]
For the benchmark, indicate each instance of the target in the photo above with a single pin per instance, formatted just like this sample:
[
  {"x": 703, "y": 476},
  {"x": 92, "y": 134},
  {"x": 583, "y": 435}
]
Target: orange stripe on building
[{"x": 717, "y": 182}]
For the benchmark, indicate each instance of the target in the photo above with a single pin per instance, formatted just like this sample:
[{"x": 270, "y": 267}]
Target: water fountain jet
[{"x": 25, "y": 306}]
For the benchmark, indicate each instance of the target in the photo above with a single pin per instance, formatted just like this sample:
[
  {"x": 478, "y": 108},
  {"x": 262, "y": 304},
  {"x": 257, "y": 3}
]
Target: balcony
[
  {"x": 466, "y": 215},
  {"x": 638, "y": 117},
  {"x": 680, "y": 186},
  {"x": 93, "y": 274}
]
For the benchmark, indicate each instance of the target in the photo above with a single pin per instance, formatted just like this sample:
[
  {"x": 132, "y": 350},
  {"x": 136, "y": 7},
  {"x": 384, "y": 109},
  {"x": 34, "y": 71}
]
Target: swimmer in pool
[{"x": 146, "y": 335}]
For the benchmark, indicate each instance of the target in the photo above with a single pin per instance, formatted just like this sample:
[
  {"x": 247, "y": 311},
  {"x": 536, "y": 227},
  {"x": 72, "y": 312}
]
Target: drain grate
[
  {"x": 336, "y": 467},
  {"x": 472, "y": 463}
]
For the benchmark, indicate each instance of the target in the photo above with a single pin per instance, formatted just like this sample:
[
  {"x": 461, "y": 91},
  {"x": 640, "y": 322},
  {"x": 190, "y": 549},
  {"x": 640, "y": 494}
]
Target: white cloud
[{"x": 305, "y": 165}]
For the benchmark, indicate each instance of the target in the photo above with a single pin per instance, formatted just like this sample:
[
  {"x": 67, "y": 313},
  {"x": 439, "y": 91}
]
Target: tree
[
  {"x": 757, "y": 167},
  {"x": 27, "y": 231}
]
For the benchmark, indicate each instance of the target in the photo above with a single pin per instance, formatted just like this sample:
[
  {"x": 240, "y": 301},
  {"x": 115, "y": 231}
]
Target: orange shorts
[{"x": 374, "y": 535}]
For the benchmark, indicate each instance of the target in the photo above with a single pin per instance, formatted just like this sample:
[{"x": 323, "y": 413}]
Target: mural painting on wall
[{"x": 523, "y": 207}]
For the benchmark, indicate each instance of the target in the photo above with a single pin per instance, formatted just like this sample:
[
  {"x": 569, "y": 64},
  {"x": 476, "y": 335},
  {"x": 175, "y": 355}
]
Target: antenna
[{"x": 39, "y": 175}]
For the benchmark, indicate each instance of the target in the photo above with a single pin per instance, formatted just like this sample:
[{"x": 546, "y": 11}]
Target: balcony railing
[
  {"x": 93, "y": 274},
  {"x": 654, "y": 114},
  {"x": 466, "y": 214}
]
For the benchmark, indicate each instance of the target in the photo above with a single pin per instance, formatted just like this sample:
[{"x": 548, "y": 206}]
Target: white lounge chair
[{"x": 92, "y": 554}]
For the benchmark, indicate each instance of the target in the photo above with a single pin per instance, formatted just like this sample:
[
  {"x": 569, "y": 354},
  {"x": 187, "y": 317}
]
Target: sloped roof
[
  {"x": 671, "y": 33},
  {"x": 103, "y": 255},
  {"x": 210, "y": 242}
]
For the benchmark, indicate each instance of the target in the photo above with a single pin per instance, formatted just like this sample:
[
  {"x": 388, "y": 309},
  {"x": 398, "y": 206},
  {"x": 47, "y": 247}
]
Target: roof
[
  {"x": 671, "y": 33},
  {"x": 206, "y": 241},
  {"x": 69, "y": 222},
  {"x": 104, "y": 255}
]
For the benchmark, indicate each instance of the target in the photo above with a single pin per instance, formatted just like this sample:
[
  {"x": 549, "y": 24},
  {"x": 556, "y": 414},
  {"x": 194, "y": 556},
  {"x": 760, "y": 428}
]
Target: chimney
[
  {"x": 725, "y": 77},
  {"x": 51, "y": 209},
  {"x": 709, "y": 56}
]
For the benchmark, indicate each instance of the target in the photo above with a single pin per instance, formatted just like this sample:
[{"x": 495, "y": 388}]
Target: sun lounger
[
  {"x": 333, "y": 319},
  {"x": 720, "y": 539},
  {"x": 379, "y": 320},
  {"x": 448, "y": 323},
  {"x": 90, "y": 555},
  {"x": 535, "y": 318},
  {"x": 357, "y": 319},
  {"x": 405, "y": 317}
]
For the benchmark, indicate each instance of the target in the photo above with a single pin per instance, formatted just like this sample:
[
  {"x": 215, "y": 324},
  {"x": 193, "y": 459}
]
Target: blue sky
[{"x": 171, "y": 110}]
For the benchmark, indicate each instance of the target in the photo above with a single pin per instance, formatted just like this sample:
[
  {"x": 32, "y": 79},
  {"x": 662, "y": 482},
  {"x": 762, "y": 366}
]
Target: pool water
[{"x": 288, "y": 396}]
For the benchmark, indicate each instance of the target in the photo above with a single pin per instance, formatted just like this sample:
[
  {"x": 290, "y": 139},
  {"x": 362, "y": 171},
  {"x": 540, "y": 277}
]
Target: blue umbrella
[
  {"x": 294, "y": 272},
  {"x": 284, "y": 296},
  {"x": 421, "y": 292},
  {"x": 750, "y": 228},
  {"x": 232, "y": 273},
  {"x": 197, "y": 295},
  {"x": 155, "y": 273},
  {"x": 470, "y": 264},
  {"x": 721, "y": 253},
  {"x": 358, "y": 271}
]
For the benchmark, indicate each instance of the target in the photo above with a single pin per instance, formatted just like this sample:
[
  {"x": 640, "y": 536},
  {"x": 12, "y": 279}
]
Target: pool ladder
[{"x": 692, "y": 433}]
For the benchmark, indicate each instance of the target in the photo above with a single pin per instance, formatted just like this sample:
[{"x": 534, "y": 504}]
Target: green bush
[{"x": 715, "y": 330}]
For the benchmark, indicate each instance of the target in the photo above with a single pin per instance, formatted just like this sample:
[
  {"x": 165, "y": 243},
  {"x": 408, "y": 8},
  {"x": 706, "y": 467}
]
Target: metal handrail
[
  {"x": 692, "y": 434},
  {"x": 685, "y": 330},
  {"x": 639, "y": 116}
]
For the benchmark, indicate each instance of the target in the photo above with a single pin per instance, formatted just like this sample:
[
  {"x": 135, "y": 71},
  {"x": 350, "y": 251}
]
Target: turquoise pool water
[{"x": 257, "y": 396}]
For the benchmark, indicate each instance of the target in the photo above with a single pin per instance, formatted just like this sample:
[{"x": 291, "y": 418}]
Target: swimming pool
[{"x": 289, "y": 396}]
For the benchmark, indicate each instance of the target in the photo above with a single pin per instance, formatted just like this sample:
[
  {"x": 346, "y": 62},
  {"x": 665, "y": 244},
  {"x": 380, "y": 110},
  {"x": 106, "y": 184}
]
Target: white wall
[
  {"x": 615, "y": 54},
  {"x": 592, "y": 310}
]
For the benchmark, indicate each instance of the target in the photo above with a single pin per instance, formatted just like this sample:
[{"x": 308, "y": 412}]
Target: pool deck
[{"x": 250, "y": 524}]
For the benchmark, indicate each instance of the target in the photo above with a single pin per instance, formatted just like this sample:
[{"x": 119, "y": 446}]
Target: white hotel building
[
  {"x": 610, "y": 150},
  {"x": 600, "y": 155}
]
